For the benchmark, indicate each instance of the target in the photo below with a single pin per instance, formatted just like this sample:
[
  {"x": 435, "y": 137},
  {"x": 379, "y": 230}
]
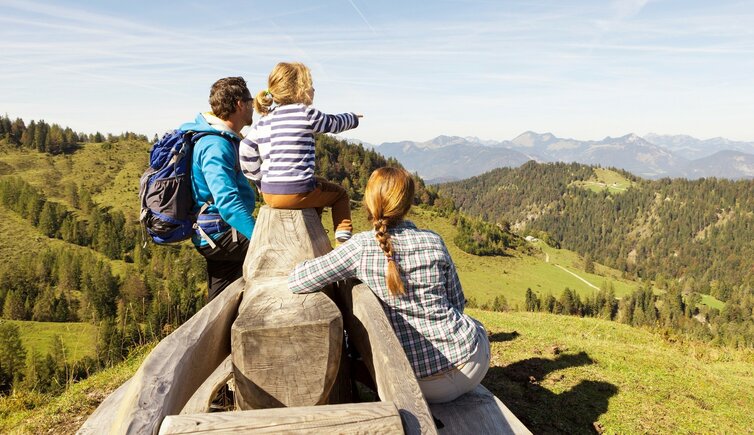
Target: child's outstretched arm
[{"x": 324, "y": 123}]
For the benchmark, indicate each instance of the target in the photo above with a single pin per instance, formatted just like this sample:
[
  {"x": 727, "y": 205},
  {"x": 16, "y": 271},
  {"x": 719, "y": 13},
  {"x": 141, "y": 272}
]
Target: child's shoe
[{"x": 341, "y": 236}]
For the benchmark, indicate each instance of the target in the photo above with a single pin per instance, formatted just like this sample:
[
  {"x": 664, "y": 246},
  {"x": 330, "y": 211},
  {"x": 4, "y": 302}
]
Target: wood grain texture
[
  {"x": 282, "y": 239},
  {"x": 354, "y": 418},
  {"x": 174, "y": 369},
  {"x": 201, "y": 400},
  {"x": 286, "y": 347},
  {"x": 373, "y": 336},
  {"x": 477, "y": 412}
]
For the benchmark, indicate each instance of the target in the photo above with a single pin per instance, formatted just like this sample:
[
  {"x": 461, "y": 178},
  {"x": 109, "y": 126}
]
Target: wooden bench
[{"x": 253, "y": 332}]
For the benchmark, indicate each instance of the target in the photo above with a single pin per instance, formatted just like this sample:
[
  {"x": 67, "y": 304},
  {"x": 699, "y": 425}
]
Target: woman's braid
[
  {"x": 383, "y": 238},
  {"x": 393, "y": 274}
]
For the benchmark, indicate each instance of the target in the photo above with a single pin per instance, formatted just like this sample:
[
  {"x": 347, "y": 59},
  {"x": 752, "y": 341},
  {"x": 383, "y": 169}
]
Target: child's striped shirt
[{"x": 278, "y": 151}]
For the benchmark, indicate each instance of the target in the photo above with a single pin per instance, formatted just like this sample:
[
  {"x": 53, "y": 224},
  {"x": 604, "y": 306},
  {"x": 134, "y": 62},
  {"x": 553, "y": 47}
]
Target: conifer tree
[
  {"x": 12, "y": 356},
  {"x": 13, "y": 307}
]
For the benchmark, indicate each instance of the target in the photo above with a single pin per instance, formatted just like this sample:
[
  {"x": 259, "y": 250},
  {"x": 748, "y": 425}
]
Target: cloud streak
[{"x": 518, "y": 59}]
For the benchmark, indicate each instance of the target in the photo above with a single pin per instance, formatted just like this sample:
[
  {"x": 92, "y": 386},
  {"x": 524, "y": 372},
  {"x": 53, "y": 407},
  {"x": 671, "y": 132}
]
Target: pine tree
[
  {"x": 13, "y": 307},
  {"x": 588, "y": 263},
  {"x": 49, "y": 219},
  {"x": 532, "y": 301},
  {"x": 12, "y": 356}
]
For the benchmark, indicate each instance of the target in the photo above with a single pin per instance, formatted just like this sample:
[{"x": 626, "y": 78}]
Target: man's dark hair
[{"x": 224, "y": 95}]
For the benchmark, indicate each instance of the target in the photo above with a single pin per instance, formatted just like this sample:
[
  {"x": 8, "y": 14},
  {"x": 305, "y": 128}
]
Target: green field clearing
[
  {"x": 20, "y": 237},
  {"x": 712, "y": 302},
  {"x": 605, "y": 179},
  {"x": 79, "y": 339}
]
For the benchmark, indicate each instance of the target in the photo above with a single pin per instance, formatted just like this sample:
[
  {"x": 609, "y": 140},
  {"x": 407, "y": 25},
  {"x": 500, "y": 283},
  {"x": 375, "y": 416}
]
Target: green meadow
[
  {"x": 606, "y": 179},
  {"x": 556, "y": 373},
  {"x": 79, "y": 339},
  {"x": 563, "y": 374}
]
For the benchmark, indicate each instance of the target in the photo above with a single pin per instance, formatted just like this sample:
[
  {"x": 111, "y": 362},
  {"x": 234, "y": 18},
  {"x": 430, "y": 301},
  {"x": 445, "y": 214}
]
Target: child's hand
[{"x": 359, "y": 116}]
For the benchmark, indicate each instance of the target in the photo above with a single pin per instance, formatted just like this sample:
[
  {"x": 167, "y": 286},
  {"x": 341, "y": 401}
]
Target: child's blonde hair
[
  {"x": 388, "y": 198},
  {"x": 288, "y": 83}
]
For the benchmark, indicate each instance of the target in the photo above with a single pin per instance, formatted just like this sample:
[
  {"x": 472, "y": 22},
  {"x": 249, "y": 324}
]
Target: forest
[
  {"x": 683, "y": 237},
  {"x": 699, "y": 232}
]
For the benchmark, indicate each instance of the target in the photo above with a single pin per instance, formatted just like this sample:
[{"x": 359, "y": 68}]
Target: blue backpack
[{"x": 165, "y": 189}]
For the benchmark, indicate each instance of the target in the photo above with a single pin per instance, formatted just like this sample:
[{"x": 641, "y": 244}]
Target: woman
[{"x": 410, "y": 270}]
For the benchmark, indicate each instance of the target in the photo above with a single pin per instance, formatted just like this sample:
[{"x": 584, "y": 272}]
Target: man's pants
[{"x": 224, "y": 262}]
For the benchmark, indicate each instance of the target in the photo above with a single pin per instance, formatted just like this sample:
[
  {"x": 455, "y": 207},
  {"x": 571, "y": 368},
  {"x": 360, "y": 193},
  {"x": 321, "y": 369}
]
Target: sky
[{"x": 415, "y": 70}]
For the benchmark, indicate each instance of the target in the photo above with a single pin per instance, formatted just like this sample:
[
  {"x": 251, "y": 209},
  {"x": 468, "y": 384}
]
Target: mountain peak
[
  {"x": 533, "y": 139},
  {"x": 444, "y": 141}
]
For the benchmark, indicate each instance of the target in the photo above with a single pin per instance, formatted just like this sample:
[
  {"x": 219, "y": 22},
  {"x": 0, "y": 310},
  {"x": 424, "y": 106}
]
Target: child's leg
[
  {"x": 341, "y": 207},
  {"x": 326, "y": 194}
]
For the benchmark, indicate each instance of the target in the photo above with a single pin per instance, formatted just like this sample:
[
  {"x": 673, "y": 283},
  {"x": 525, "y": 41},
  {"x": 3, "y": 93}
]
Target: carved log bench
[{"x": 285, "y": 350}]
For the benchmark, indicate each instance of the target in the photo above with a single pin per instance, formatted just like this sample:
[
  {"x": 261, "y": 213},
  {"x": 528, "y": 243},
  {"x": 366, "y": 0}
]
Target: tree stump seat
[{"x": 286, "y": 347}]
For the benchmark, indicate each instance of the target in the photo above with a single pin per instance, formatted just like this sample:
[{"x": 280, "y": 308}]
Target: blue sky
[{"x": 492, "y": 69}]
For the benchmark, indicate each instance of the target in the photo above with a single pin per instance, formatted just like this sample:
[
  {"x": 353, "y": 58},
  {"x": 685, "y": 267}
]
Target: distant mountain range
[{"x": 447, "y": 158}]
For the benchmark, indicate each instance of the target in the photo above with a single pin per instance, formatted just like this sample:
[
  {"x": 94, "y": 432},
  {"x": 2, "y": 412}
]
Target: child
[
  {"x": 278, "y": 151},
  {"x": 411, "y": 271}
]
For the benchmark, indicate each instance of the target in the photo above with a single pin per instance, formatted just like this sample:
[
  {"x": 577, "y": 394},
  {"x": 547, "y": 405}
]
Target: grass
[
  {"x": 712, "y": 302},
  {"x": 79, "y": 339},
  {"x": 605, "y": 179},
  {"x": 558, "y": 374},
  {"x": 563, "y": 374},
  {"x": 34, "y": 413},
  {"x": 20, "y": 236}
]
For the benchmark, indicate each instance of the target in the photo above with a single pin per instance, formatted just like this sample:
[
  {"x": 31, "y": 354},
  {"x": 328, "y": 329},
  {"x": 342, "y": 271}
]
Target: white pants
[{"x": 451, "y": 384}]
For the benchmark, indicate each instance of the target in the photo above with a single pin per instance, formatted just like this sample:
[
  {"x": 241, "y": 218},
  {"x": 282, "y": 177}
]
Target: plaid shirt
[{"x": 428, "y": 319}]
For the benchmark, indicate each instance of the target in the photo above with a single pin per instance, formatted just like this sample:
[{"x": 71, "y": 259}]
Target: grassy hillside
[
  {"x": 558, "y": 374},
  {"x": 32, "y": 413},
  {"x": 562, "y": 374},
  {"x": 111, "y": 173}
]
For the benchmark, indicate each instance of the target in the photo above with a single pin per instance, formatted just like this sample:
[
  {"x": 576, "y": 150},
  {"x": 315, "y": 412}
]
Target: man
[{"x": 219, "y": 186}]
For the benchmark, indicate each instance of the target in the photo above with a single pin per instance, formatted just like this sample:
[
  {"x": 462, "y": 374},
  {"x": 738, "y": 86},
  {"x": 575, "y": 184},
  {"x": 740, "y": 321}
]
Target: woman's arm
[
  {"x": 453, "y": 284},
  {"x": 312, "y": 275}
]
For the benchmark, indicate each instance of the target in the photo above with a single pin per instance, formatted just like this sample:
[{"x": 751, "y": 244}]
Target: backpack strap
[{"x": 199, "y": 229}]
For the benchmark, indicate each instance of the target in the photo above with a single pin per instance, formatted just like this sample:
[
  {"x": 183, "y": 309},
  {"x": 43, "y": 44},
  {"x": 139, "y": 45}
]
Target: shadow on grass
[
  {"x": 500, "y": 337},
  {"x": 519, "y": 386}
]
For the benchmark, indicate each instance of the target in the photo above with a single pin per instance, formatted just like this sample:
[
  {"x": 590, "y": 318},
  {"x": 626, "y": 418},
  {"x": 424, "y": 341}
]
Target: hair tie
[{"x": 267, "y": 93}]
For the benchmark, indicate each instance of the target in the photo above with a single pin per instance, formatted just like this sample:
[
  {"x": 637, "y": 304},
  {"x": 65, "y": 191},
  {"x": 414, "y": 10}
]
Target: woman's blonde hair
[
  {"x": 388, "y": 198},
  {"x": 288, "y": 83}
]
